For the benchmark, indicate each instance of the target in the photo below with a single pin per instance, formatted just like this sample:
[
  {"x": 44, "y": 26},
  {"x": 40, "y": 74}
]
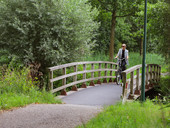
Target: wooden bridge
[{"x": 78, "y": 75}]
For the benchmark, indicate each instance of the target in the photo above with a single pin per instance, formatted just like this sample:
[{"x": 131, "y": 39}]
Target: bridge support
[
  {"x": 63, "y": 92},
  {"x": 98, "y": 82},
  {"x": 110, "y": 80},
  {"x": 84, "y": 85},
  {"x": 91, "y": 83},
  {"x": 147, "y": 86},
  {"x": 105, "y": 80},
  {"x": 137, "y": 92},
  {"x": 74, "y": 88}
]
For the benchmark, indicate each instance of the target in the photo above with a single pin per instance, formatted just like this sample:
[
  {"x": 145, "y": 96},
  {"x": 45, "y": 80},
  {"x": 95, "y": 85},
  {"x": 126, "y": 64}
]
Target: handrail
[
  {"x": 153, "y": 73},
  {"x": 84, "y": 72},
  {"x": 78, "y": 63}
]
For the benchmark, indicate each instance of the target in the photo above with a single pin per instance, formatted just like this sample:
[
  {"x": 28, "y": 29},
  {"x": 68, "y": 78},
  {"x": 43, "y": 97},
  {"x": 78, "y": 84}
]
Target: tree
[
  {"x": 49, "y": 32},
  {"x": 155, "y": 25},
  {"x": 118, "y": 9}
]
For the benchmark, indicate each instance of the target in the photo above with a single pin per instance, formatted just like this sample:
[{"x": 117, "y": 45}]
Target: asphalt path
[
  {"x": 101, "y": 95},
  {"x": 48, "y": 116}
]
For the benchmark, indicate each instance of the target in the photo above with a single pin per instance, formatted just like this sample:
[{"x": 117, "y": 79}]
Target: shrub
[{"x": 48, "y": 32}]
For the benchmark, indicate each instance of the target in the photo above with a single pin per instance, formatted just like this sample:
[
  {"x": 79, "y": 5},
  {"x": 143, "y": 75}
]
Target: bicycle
[{"x": 119, "y": 72}]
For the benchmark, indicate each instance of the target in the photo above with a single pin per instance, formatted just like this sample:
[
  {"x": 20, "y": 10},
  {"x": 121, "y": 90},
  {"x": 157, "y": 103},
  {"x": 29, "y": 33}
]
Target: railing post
[
  {"x": 92, "y": 75},
  {"x": 63, "y": 92},
  {"x": 116, "y": 67},
  {"x": 131, "y": 95},
  {"x": 146, "y": 82},
  {"x": 151, "y": 76},
  {"x": 154, "y": 73},
  {"x": 74, "y": 87},
  {"x": 111, "y": 73},
  {"x": 50, "y": 76},
  {"x": 84, "y": 77},
  {"x": 105, "y": 74},
  {"x": 125, "y": 87},
  {"x": 99, "y": 74},
  {"x": 137, "y": 91}
]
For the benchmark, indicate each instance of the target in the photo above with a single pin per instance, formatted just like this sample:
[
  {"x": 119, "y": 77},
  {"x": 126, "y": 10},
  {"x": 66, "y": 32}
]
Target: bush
[
  {"x": 164, "y": 89},
  {"x": 48, "y": 32}
]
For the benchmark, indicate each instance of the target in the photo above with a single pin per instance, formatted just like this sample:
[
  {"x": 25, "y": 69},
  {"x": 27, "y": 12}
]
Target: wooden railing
[
  {"x": 153, "y": 73},
  {"x": 64, "y": 76}
]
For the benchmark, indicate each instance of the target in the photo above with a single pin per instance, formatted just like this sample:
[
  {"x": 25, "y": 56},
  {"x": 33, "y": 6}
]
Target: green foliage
[
  {"x": 164, "y": 87},
  {"x": 4, "y": 57},
  {"x": 16, "y": 89},
  {"x": 129, "y": 29},
  {"x": 121, "y": 9},
  {"x": 47, "y": 31},
  {"x": 131, "y": 115}
]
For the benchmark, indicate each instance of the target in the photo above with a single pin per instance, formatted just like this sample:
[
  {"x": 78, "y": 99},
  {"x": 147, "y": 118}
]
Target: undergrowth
[{"x": 17, "y": 89}]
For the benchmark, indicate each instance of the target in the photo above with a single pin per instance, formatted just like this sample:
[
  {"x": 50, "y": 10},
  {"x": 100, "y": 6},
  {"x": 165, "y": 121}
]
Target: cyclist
[{"x": 123, "y": 56}]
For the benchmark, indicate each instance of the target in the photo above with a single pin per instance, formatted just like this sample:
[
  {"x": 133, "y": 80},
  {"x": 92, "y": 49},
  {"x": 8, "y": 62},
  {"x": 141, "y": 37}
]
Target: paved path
[
  {"x": 101, "y": 95},
  {"x": 81, "y": 107},
  {"x": 48, "y": 116}
]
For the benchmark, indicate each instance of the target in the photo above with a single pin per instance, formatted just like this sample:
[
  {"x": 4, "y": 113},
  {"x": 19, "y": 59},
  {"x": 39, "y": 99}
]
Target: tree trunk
[
  {"x": 112, "y": 36},
  {"x": 141, "y": 46}
]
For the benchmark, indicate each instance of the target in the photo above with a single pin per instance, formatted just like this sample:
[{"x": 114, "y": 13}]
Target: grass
[
  {"x": 134, "y": 59},
  {"x": 17, "y": 90},
  {"x": 131, "y": 115}
]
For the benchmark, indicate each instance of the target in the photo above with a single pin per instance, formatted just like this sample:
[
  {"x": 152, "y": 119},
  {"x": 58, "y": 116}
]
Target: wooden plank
[
  {"x": 84, "y": 69},
  {"x": 105, "y": 74},
  {"x": 80, "y": 72},
  {"x": 150, "y": 74},
  {"x": 131, "y": 82},
  {"x": 124, "y": 84},
  {"x": 137, "y": 79},
  {"x": 78, "y": 82},
  {"x": 64, "y": 79},
  {"x": 75, "y": 76},
  {"x": 92, "y": 68},
  {"x": 111, "y": 67},
  {"x": 78, "y": 63},
  {"x": 74, "y": 88},
  {"x": 51, "y": 77},
  {"x": 100, "y": 66}
]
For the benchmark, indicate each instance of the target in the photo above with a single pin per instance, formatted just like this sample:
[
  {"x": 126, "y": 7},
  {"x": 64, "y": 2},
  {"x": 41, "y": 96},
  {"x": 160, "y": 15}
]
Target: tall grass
[
  {"x": 17, "y": 89},
  {"x": 134, "y": 59},
  {"x": 131, "y": 115}
]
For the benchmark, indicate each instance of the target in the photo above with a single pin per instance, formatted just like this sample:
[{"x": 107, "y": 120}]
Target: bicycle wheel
[{"x": 118, "y": 78}]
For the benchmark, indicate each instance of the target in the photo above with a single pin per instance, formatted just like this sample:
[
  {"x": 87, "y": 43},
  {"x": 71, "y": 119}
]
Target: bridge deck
[{"x": 101, "y": 95}]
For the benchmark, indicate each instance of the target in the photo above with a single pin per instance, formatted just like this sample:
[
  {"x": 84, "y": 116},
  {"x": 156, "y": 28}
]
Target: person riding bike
[{"x": 123, "y": 56}]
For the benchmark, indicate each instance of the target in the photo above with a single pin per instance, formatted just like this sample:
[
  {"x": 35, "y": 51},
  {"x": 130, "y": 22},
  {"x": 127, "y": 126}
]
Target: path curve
[{"x": 48, "y": 116}]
